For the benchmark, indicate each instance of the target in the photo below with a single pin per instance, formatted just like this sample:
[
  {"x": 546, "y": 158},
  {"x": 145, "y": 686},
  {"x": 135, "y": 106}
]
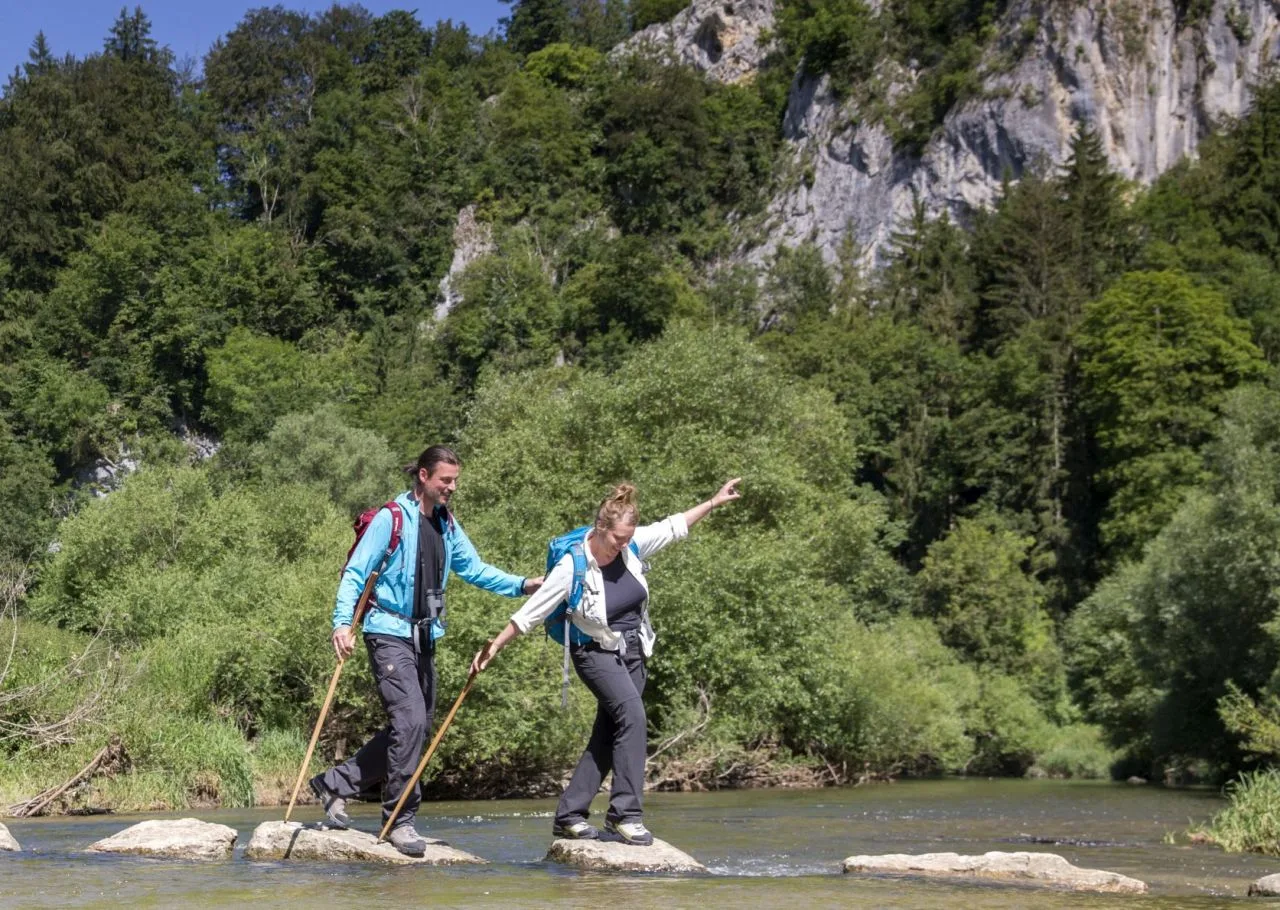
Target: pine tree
[
  {"x": 1100, "y": 228},
  {"x": 533, "y": 24},
  {"x": 130, "y": 37}
]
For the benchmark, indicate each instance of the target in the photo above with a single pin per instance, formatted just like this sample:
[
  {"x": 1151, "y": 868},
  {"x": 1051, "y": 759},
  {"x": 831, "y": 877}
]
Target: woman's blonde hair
[{"x": 620, "y": 505}]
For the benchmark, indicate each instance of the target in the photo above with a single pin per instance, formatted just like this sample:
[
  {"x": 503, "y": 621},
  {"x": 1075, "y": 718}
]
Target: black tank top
[{"x": 623, "y": 596}]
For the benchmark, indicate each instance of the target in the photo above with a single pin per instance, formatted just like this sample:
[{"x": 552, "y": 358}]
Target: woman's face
[{"x": 612, "y": 541}]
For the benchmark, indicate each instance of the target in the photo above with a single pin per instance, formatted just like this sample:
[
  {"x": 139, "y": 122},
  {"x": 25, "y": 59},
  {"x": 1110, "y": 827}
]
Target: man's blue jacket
[{"x": 394, "y": 589}]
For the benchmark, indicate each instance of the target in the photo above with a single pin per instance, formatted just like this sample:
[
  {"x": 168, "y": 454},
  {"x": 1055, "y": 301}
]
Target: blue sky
[{"x": 187, "y": 27}]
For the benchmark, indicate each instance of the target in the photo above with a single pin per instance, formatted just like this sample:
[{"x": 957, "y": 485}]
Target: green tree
[
  {"x": 975, "y": 587},
  {"x": 534, "y": 24},
  {"x": 254, "y": 380},
  {"x": 1156, "y": 355},
  {"x": 929, "y": 277},
  {"x": 647, "y": 12},
  {"x": 1155, "y": 648}
]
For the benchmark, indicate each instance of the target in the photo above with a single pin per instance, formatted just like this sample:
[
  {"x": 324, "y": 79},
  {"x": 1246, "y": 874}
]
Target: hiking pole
[
  {"x": 362, "y": 605},
  {"x": 422, "y": 765}
]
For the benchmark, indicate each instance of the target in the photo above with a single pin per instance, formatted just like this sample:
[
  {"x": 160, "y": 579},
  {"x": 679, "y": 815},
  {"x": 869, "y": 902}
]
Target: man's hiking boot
[
  {"x": 405, "y": 839},
  {"x": 575, "y": 831},
  {"x": 335, "y": 807},
  {"x": 632, "y": 831}
]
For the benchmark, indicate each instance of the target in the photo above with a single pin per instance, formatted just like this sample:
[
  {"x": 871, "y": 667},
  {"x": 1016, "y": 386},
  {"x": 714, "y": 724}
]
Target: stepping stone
[
  {"x": 615, "y": 856},
  {"x": 291, "y": 840},
  {"x": 1024, "y": 868},
  {"x": 6, "y": 840},
  {"x": 182, "y": 838},
  {"x": 1268, "y": 886}
]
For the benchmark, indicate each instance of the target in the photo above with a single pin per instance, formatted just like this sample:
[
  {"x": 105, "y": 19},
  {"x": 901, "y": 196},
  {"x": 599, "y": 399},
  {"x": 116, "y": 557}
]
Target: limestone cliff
[{"x": 1152, "y": 88}]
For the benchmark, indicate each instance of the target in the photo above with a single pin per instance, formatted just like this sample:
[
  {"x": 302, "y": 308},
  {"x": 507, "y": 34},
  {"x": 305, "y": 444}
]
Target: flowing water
[{"x": 764, "y": 849}]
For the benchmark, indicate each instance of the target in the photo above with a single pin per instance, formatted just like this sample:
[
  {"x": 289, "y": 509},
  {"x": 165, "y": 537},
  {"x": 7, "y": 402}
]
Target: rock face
[
  {"x": 472, "y": 240},
  {"x": 1027, "y": 868},
  {"x": 1150, "y": 87},
  {"x": 1266, "y": 887},
  {"x": 719, "y": 37},
  {"x": 614, "y": 856},
  {"x": 1149, "y": 84},
  {"x": 7, "y": 841},
  {"x": 280, "y": 840},
  {"x": 183, "y": 838}
]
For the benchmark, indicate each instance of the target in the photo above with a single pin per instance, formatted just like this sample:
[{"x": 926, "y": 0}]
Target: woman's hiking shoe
[
  {"x": 575, "y": 831},
  {"x": 633, "y": 832},
  {"x": 405, "y": 839},
  {"x": 335, "y": 807}
]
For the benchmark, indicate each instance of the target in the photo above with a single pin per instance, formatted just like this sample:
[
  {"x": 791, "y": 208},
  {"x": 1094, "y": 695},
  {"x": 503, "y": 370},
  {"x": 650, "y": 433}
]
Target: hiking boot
[
  {"x": 632, "y": 831},
  {"x": 335, "y": 807},
  {"x": 575, "y": 831},
  {"x": 405, "y": 839}
]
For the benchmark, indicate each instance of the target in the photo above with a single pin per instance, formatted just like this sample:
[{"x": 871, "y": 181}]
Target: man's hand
[
  {"x": 344, "y": 642},
  {"x": 532, "y": 584}
]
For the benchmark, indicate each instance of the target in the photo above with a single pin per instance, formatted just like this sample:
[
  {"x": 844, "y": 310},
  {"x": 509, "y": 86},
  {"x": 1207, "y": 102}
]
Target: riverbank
[{"x": 763, "y": 848}]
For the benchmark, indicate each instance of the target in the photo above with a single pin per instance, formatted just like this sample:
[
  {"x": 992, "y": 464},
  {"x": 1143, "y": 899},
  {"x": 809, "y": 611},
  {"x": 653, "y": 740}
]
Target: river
[{"x": 764, "y": 849}]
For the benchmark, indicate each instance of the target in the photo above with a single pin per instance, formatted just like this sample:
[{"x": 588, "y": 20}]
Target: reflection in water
[{"x": 765, "y": 848}]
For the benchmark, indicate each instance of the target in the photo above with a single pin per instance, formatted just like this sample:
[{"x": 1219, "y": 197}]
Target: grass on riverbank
[{"x": 1251, "y": 821}]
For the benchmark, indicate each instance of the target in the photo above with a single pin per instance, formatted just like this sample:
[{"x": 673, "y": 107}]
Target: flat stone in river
[
  {"x": 1025, "y": 868},
  {"x": 615, "y": 856},
  {"x": 180, "y": 838},
  {"x": 1268, "y": 886},
  {"x": 293, "y": 841},
  {"x": 7, "y": 841}
]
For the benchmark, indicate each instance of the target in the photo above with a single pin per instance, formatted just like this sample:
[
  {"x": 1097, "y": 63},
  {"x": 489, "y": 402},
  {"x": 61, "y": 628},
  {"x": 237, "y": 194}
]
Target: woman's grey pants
[
  {"x": 406, "y": 678},
  {"x": 618, "y": 739}
]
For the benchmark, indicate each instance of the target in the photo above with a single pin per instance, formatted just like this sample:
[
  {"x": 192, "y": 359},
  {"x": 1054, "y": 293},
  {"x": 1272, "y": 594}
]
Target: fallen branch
[{"x": 108, "y": 757}]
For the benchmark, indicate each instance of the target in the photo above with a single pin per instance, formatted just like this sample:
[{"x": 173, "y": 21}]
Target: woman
[{"x": 614, "y": 614}]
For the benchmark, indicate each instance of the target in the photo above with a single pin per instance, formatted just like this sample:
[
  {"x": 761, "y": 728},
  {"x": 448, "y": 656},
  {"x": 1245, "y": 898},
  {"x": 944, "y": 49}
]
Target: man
[{"x": 405, "y": 618}]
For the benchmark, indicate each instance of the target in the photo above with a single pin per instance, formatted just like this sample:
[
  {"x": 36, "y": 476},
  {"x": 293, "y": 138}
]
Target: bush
[
  {"x": 1076, "y": 751},
  {"x": 1251, "y": 823},
  {"x": 354, "y": 468}
]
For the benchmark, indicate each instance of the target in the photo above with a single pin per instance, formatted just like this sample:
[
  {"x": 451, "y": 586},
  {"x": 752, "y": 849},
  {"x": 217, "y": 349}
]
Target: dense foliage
[{"x": 1011, "y": 500}]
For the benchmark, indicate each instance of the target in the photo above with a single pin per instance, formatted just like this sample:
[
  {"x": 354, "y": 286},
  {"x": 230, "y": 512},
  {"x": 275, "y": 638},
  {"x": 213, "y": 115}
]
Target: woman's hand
[
  {"x": 486, "y": 654},
  {"x": 482, "y": 658},
  {"x": 728, "y": 493}
]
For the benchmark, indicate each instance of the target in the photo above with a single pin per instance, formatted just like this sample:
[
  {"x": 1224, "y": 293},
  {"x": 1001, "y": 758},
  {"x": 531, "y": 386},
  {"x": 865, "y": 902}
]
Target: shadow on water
[{"x": 764, "y": 848}]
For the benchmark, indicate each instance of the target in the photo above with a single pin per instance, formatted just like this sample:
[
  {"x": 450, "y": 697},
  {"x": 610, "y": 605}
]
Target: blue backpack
[{"x": 558, "y": 624}]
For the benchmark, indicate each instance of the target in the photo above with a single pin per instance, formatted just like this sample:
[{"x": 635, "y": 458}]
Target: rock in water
[
  {"x": 601, "y": 855},
  {"x": 181, "y": 838},
  {"x": 281, "y": 840},
  {"x": 6, "y": 840},
  {"x": 1027, "y": 868},
  {"x": 1268, "y": 886}
]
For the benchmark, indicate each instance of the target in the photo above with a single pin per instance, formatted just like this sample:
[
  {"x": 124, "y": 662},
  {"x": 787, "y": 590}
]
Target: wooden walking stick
[
  {"x": 362, "y": 606},
  {"x": 422, "y": 765}
]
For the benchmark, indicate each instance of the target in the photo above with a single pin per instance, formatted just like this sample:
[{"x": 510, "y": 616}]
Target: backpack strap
[
  {"x": 574, "y": 600},
  {"x": 397, "y": 525}
]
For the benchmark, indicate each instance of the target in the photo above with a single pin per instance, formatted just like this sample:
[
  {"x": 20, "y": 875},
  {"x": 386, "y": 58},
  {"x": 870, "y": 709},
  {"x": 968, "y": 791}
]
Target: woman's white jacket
[{"x": 590, "y": 617}]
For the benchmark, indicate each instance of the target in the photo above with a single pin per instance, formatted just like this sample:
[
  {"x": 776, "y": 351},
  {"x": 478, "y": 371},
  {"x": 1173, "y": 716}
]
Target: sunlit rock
[
  {"x": 1266, "y": 887},
  {"x": 180, "y": 838},
  {"x": 7, "y": 841},
  {"x": 614, "y": 856},
  {"x": 1025, "y": 868},
  {"x": 1148, "y": 79},
  {"x": 293, "y": 841}
]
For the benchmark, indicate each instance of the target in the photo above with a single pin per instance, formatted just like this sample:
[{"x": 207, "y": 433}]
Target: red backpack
[{"x": 365, "y": 518}]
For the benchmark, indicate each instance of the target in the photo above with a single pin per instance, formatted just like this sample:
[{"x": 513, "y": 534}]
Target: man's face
[{"x": 438, "y": 485}]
